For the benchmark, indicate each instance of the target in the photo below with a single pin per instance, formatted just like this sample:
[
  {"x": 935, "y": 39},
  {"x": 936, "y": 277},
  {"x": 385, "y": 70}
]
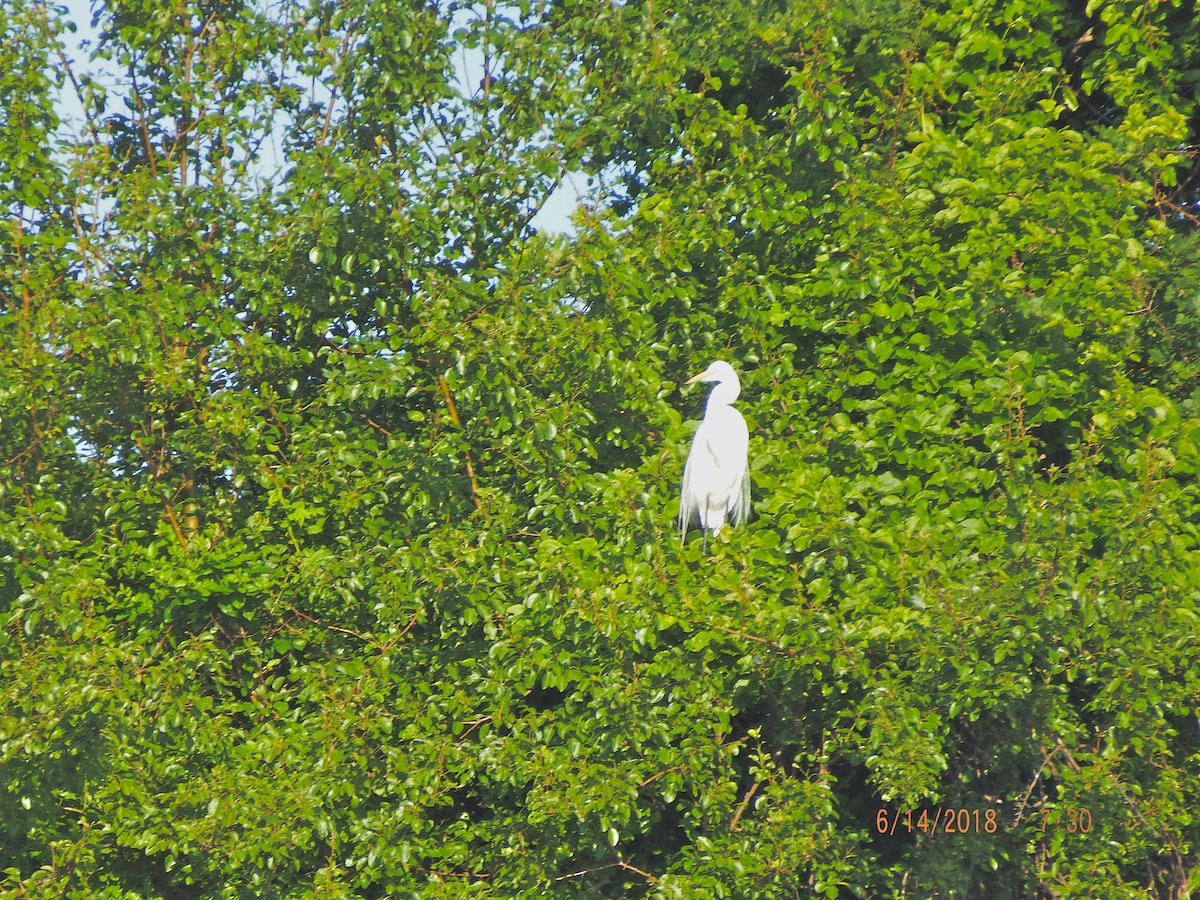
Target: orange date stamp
[
  {"x": 938, "y": 820},
  {"x": 964, "y": 820}
]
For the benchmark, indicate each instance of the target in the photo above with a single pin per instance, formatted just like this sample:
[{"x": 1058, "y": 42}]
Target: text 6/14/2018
[
  {"x": 938, "y": 820},
  {"x": 948, "y": 820}
]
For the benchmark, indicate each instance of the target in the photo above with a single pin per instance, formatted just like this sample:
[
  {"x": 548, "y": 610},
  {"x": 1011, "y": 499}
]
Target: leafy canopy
[{"x": 336, "y": 506}]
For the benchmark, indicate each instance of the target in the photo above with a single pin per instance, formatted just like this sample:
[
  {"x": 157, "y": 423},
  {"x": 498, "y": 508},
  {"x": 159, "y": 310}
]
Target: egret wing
[
  {"x": 695, "y": 474},
  {"x": 739, "y": 462},
  {"x": 687, "y": 499}
]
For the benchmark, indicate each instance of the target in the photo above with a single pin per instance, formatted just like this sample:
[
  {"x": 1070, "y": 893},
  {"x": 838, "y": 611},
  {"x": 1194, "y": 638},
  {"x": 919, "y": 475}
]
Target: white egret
[{"x": 716, "y": 479}]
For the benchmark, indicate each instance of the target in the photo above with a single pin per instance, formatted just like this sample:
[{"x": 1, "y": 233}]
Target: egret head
[
  {"x": 728, "y": 387},
  {"x": 720, "y": 372}
]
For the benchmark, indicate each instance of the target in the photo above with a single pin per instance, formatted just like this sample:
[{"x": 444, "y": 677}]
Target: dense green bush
[{"x": 337, "y": 541}]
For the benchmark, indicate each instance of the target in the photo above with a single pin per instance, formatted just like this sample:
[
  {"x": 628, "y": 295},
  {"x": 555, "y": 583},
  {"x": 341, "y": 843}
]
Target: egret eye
[{"x": 716, "y": 479}]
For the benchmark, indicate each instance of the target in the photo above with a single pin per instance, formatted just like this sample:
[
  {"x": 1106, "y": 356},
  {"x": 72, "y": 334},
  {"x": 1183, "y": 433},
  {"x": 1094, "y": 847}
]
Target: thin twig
[
  {"x": 774, "y": 645},
  {"x": 619, "y": 864},
  {"x": 1046, "y": 757},
  {"x": 632, "y": 868},
  {"x": 44, "y": 21},
  {"x": 737, "y": 816},
  {"x": 583, "y": 872},
  {"x": 450, "y": 408},
  {"x": 175, "y": 525},
  {"x": 377, "y": 425},
  {"x": 337, "y": 628}
]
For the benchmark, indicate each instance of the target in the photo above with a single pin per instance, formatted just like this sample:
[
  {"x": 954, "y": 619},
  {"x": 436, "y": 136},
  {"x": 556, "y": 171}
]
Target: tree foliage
[{"x": 337, "y": 544}]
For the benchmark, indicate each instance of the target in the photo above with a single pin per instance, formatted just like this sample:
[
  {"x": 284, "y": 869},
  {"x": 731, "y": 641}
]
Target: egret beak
[{"x": 696, "y": 378}]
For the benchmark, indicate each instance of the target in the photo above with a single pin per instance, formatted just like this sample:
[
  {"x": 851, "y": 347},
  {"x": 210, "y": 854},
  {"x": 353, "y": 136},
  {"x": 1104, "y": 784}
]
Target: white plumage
[{"x": 716, "y": 479}]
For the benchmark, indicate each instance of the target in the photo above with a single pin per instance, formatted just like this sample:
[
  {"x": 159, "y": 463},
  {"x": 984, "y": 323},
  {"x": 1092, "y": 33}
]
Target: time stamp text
[{"x": 949, "y": 820}]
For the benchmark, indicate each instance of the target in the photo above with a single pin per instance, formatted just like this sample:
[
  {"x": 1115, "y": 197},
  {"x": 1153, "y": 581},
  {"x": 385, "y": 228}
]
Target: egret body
[{"x": 716, "y": 479}]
